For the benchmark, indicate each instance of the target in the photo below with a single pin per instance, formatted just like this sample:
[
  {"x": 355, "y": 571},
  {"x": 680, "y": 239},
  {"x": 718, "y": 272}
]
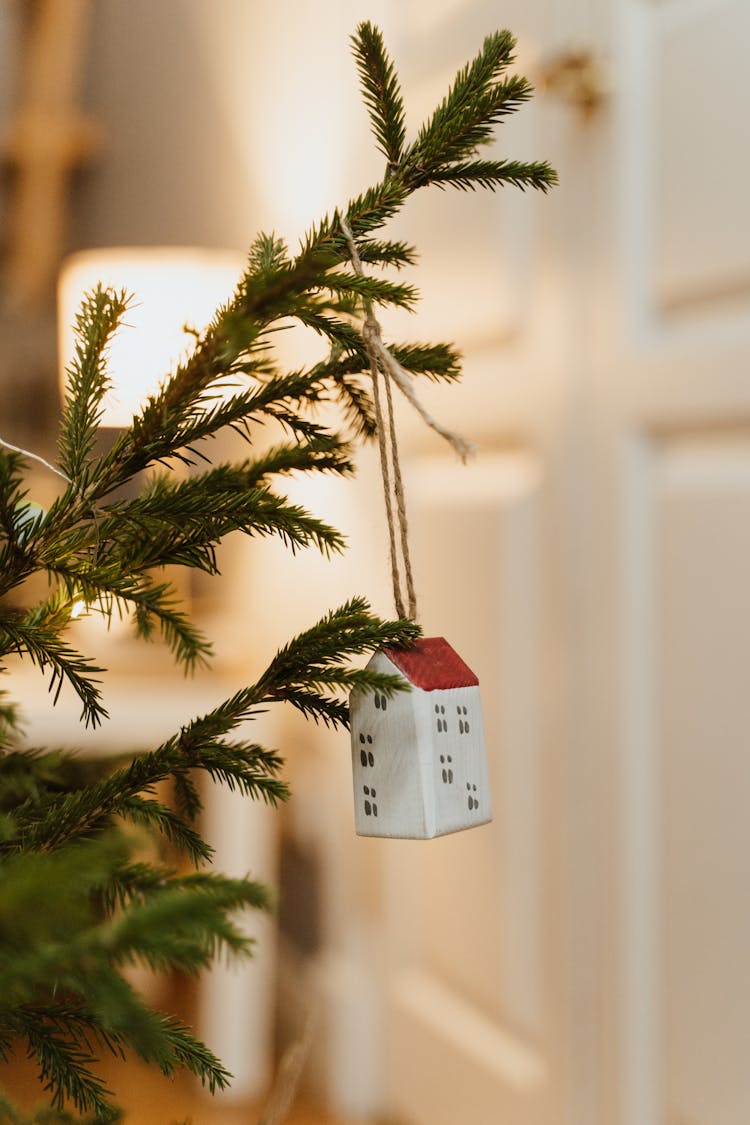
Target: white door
[
  {"x": 480, "y": 926},
  {"x": 581, "y": 960},
  {"x": 671, "y": 365}
]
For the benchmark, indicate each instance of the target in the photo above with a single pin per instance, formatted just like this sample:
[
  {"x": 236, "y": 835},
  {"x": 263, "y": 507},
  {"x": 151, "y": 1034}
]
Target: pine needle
[{"x": 86, "y": 888}]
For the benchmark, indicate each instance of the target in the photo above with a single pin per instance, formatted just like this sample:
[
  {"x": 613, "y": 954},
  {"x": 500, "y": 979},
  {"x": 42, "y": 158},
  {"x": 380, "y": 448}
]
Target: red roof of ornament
[{"x": 432, "y": 665}]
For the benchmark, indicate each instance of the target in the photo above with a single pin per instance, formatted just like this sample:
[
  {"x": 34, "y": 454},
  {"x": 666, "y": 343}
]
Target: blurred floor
[{"x": 150, "y": 1099}]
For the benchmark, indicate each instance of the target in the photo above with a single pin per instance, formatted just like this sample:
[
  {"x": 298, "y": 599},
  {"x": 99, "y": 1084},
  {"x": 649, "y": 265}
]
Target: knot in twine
[
  {"x": 389, "y": 365},
  {"x": 382, "y": 361}
]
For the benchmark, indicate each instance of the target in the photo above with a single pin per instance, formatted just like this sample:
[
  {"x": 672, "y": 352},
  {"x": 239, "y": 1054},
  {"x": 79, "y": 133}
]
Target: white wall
[{"x": 223, "y": 118}]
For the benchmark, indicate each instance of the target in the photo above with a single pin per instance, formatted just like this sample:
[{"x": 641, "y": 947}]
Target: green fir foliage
[{"x": 72, "y": 830}]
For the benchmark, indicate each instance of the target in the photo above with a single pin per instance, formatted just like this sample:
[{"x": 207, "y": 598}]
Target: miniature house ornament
[
  {"x": 418, "y": 757},
  {"x": 419, "y": 762}
]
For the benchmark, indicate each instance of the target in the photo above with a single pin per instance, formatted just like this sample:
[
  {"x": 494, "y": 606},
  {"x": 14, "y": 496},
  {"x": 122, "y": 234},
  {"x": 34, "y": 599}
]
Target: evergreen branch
[
  {"x": 234, "y": 894},
  {"x": 156, "y": 1038},
  {"x": 188, "y": 1052},
  {"x": 376, "y": 290},
  {"x": 315, "y": 658},
  {"x": 187, "y": 798},
  {"x": 136, "y": 882},
  {"x": 441, "y": 144},
  {"x": 267, "y": 255},
  {"x": 38, "y": 634},
  {"x": 182, "y": 926},
  {"x": 347, "y": 679},
  {"x": 323, "y": 453},
  {"x": 340, "y": 334},
  {"x": 317, "y": 655},
  {"x": 381, "y": 92},
  {"x": 124, "y": 1020},
  {"x": 277, "y": 397},
  {"x": 186, "y": 643},
  {"x": 197, "y": 920},
  {"x": 476, "y": 101},
  {"x": 244, "y": 767},
  {"x": 71, "y": 1018},
  {"x": 331, "y": 712},
  {"x": 64, "y": 1065},
  {"x": 349, "y": 357},
  {"x": 32, "y": 457},
  {"x": 116, "y": 584},
  {"x": 473, "y": 174},
  {"x": 73, "y": 953},
  {"x": 21, "y": 522},
  {"x": 118, "y": 1019},
  {"x": 180, "y": 522},
  {"x": 28, "y": 522},
  {"x": 436, "y": 361},
  {"x": 62, "y": 840},
  {"x": 98, "y": 319},
  {"x": 271, "y": 294},
  {"x": 28, "y": 774},
  {"x": 350, "y": 630},
  {"x": 12, "y": 495},
  {"x": 383, "y": 252},
  {"x": 58, "y": 819},
  {"x": 365, "y": 214},
  {"x": 268, "y": 297},
  {"x": 157, "y": 817},
  {"x": 276, "y": 286},
  {"x": 10, "y": 725},
  {"x": 357, "y": 405},
  {"x": 132, "y": 882},
  {"x": 38, "y": 947}
]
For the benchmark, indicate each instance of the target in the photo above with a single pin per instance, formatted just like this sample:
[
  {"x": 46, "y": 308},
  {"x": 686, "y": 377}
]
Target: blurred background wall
[{"x": 581, "y": 959}]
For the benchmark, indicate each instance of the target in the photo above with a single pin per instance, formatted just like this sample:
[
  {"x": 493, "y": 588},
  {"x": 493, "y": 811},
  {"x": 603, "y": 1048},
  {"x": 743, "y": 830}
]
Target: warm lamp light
[{"x": 171, "y": 286}]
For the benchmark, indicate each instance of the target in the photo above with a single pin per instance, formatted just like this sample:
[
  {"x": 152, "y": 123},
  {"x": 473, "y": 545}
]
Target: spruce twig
[
  {"x": 88, "y": 381},
  {"x": 381, "y": 93},
  {"x": 70, "y": 827}
]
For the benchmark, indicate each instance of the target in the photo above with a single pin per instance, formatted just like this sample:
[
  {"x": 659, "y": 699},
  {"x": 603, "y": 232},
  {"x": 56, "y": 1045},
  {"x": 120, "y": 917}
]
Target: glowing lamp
[{"x": 171, "y": 286}]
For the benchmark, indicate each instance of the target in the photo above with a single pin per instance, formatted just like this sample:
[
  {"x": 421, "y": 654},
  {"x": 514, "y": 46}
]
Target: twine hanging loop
[{"x": 383, "y": 362}]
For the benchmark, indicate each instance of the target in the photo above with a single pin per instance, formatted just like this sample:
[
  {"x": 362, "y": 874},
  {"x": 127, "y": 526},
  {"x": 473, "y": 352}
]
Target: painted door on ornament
[{"x": 580, "y": 959}]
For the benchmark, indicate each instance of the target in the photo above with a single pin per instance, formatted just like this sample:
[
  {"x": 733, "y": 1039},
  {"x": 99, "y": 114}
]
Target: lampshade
[{"x": 172, "y": 287}]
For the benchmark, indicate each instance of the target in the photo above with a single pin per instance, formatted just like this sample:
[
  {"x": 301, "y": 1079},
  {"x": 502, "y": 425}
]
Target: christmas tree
[{"x": 78, "y": 902}]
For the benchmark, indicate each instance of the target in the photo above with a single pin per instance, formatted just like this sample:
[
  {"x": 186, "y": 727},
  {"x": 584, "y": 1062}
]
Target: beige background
[{"x": 581, "y": 960}]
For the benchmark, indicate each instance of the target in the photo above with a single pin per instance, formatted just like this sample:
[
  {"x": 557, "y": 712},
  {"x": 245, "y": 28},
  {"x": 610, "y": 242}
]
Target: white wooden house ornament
[{"x": 419, "y": 761}]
